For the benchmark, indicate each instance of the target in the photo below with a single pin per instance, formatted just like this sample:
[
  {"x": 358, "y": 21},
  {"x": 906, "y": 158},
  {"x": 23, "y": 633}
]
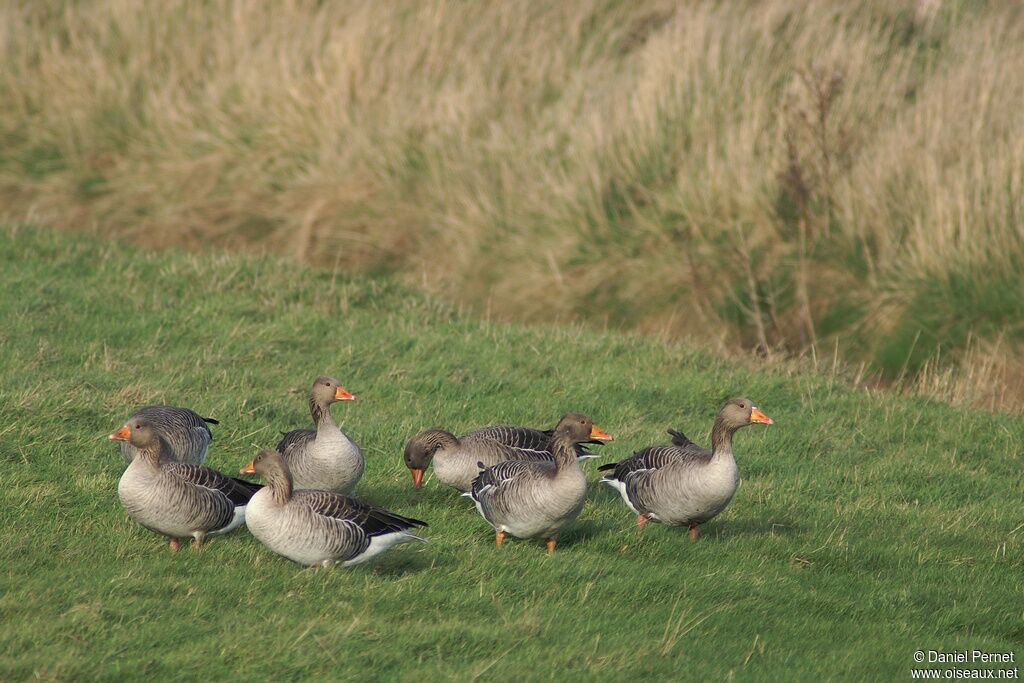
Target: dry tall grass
[{"x": 765, "y": 175}]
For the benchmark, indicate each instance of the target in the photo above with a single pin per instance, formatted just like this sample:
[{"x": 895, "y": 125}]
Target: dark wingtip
[
  {"x": 609, "y": 466},
  {"x": 481, "y": 465},
  {"x": 210, "y": 420},
  {"x": 394, "y": 520},
  {"x": 251, "y": 486},
  {"x": 678, "y": 438}
]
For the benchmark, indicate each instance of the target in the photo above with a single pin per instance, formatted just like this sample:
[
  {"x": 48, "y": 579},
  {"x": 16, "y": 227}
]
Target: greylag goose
[
  {"x": 319, "y": 527},
  {"x": 682, "y": 483},
  {"x": 185, "y": 431},
  {"x": 323, "y": 458},
  {"x": 455, "y": 458},
  {"x": 177, "y": 500},
  {"x": 530, "y": 499}
]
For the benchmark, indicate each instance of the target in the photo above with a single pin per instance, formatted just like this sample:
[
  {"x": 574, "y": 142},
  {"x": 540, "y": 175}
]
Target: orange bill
[
  {"x": 341, "y": 395},
  {"x": 598, "y": 433},
  {"x": 757, "y": 416},
  {"x": 122, "y": 434},
  {"x": 417, "y": 477},
  {"x": 249, "y": 469}
]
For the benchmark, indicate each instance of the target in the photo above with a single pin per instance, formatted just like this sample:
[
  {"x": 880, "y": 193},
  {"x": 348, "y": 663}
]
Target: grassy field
[
  {"x": 867, "y": 526},
  {"x": 819, "y": 177}
]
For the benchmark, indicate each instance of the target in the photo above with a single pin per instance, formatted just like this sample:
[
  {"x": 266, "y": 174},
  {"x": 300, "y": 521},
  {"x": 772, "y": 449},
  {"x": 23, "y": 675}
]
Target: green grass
[{"x": 867, "y": 526}]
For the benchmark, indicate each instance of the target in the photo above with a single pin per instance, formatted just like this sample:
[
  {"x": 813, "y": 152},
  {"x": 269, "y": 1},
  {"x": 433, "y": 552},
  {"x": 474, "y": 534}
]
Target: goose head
[
  {"x": 327, "y": 390},
  {"x": 141, "y": 434},
  {"x": 419, "y": 452},
  {"x": 268, "y": 463},
  {"x": 271, "y": 466},
  {"x": 138, "y": 432},
  {"x": 740, "y": 412},
  {"x": 576, "y": 428}
]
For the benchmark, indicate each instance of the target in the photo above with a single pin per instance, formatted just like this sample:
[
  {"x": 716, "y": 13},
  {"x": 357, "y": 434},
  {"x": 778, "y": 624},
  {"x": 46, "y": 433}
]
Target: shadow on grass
[
  {"x": 583, "y": 531},
  {"x": 399, "y": 493},
  {"x": 398, "y": 563},
  {"x": 750, "y": 527},
  {"x": 716, "y": 528}
]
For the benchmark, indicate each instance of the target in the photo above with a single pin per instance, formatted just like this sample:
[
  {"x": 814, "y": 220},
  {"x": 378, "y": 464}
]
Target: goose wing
[
  {"x": 505, "y": 475},
  {"x": 525, "y": 440},
  {"x": 637, "y": 477},
  {"x": 372, "y": 520},
  {"x": 516, "y": 437},
  {"x": 237, "y": 491},
  {"x": 653, "y": 458},
  {"x": 295, "y": 441},
  {"x": 480, "y": 449},
  {"x": 499, "y": 491},
  {"x": 680, "y": 439}
]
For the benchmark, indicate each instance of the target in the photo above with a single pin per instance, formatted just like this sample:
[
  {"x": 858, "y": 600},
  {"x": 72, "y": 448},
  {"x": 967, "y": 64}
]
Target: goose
[
  {"x": 185, "y": 431},
  {"x": 455, "y": 458},
  {"x": 319, "y": 527},
  {"x": 177, "y": 500},
  {"x": 530, "y": 499},
  {"x": 323, "y": 458},
  {"x": 682, "y": 483}
]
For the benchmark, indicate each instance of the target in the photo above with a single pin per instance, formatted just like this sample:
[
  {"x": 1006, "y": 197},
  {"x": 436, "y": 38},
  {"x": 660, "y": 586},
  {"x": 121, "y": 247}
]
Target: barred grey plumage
[
  {"x": 186, "y": 433},
  {"x": 682, "y": 483},
  {"x": 527, "y": 438},
  {"x": 455, "y": 458},
  {"x": 319, "y": 527},
  {"x": 177, "y": 500},
  {"x": 529, "y": 499}
]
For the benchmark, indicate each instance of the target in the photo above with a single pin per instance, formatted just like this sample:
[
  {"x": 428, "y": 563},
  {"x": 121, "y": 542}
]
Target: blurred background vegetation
[{"x": 777, "y": 180}]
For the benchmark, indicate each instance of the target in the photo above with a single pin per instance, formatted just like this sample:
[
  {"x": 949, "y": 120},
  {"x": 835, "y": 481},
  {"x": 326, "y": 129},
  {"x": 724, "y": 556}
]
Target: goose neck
[
  {"x": 721, "y": 438},
  {"x": 280, "y": 484},
  {"x": 564, "y": 451},
  {"x": 155, "y": 453},
  {"x": 321, "y": 414}
]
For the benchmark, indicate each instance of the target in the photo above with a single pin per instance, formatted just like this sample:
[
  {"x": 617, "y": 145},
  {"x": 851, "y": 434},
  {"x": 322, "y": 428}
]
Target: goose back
[
  {"x": 319, "y": 527},
  {"x": 458, "y": 465},
  {"x": 186, "y": 433},
  {"x": 527, "y": 439}
]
